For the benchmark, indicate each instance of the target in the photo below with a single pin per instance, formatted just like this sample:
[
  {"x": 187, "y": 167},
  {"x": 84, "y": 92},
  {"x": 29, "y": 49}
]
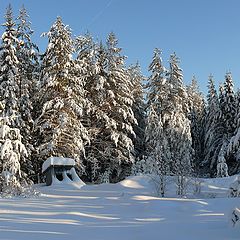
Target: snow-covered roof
[{"x": 57, "y": 161}]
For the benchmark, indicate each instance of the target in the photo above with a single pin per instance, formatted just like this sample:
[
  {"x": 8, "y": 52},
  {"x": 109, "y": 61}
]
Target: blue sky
[{"x": 205, "y": 34}]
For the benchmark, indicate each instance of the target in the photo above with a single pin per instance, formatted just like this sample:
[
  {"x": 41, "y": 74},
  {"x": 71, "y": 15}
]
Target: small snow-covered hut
[{"x": 60, "y": 169}]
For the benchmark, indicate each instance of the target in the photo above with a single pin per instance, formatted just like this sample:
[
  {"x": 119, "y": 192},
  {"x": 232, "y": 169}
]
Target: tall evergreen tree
[
  {"x": 137, "y": 78},
  {"x": 233, "y": 149},
  {"x": 13, "y": 152},
  {"x": 157, "y": 149},
  {"x": 197, "y": 114},
  {"x": 157, "y": 84},
  {"x": 168, "y": 135},
  {"x": 157, "y": 104},
  {"x": 229, "y": 106},
  {"x": 118, "y": 105},
  {"x": 58, "y": 125},
  {"x": 214, "y": 128},
  {"x": 228, "y": 112},
  {"x": 179, "y": 127},
  {"x": 91, "y": 62},
  {"x": 86, "y": 50},
  {"x": 109, "y": 117},
  {"x": 27, "y": 54}
]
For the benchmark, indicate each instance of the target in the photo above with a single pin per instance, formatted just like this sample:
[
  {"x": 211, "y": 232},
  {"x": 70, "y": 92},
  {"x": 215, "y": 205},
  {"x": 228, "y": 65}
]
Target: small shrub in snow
[
  {"x": 12, "y": 187},
  {"x": 197, "y": 182},
  {"x": 222, "y": 168},
  {"x": 160, "y": 184},
  {"x": 234, "y": 189},
  {"x": 153, "y": 167},
  {"x": 145, "y": 166},
  {"x": 235, "y": 217},
  {"x": 104, "y": 178}
]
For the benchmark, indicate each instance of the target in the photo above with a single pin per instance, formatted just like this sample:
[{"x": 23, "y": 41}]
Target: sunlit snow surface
[{"x": 127, "y": 210}]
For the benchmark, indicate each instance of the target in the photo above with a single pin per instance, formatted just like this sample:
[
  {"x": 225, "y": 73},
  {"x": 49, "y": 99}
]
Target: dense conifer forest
[{"x": 79, "y": 99}]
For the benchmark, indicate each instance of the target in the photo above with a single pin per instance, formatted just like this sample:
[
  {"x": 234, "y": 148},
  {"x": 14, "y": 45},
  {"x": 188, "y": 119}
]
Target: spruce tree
[
  {"x": 233, "y": 149},
  {"x": 228, "y": 106},
  {"x": 157, "y": 105},
  {"x": 157, "y": 149},
  {"x": 118, "y": 105},
  {"x": 228, "y": 113},
  {"x": 197, "y": 114},
  {"x": 214, "y": 128},
  {"x": 13, "y": 152},
  {"x": 58, "y": 126},
  {"x": 112, "y": 117},
  {"x": 27, "y": 54},
  {"x": 168, "y": 135},
  {"x": 179, "y": 127},
  {"x": 137, "y": 78},
  {"x": 91, "y": 62}
]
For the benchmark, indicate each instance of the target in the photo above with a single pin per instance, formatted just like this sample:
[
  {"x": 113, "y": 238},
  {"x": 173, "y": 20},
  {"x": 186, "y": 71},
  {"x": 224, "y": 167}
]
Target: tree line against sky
[{"x": 79, "y": 99}]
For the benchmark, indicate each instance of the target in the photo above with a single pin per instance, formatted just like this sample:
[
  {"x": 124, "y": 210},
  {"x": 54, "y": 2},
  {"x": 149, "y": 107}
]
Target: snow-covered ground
[{"x": 127, "y": 210}]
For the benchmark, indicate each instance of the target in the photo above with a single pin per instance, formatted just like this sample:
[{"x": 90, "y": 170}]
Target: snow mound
[
  {"x": 137, "y": 182},
  {"x": 57, "y": 185},
  {"x": 207, "y": 187},
  {"x": 216, "y": 187}
]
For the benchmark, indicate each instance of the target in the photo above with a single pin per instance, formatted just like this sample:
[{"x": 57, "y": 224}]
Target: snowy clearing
[{"x": 127, "y": 210}]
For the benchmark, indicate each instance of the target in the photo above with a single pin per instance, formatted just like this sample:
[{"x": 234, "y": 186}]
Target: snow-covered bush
[
  {"x": 152, "y": 167},
  {"x": 105, "y": 177},
  {"x": 234, "y": 189},
  {"x": 145, "y": 166},
  {"x": 197, "y": 182},
  {"x": 11, "y": 152},
  {"x": 11, "y": 186},
  {"x": 222, "y": 168},
  {"x": 235, "y": 217}
]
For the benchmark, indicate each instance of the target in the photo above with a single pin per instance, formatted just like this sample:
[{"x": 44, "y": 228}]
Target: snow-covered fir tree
[
  {"x": 157, "y": 105},
  {"x": 105, "y": 176},
  {"x": 197, "y": 114},
  {"x": 89, "y": 64},
  {"x": 179, "y": 126},
  {"x": 168, "y": 132},
  {"x": 233, "y": 149},
  {"x": 58, "y": 126},
  {"x": 214, "y": 128},
  {"x": 158, "y": 159},
  {"x": 85, "y": 48},
  {"x": 119, "y": 108},
  {"x": 222, "y": 167},
  {"x": 138, "y": 108},
  {"x": 228, "y": 113},
  {"x": 157, "y": 84},
  {"x": 12, "y": 180},
  {"x": 13, "y": 153},
  {"x": 113, "y": 118},
  {"x": 27, "y": 54},
  {"x": 229, "y": 106},
  {"x": 157, "y": 149},
  {"x": 9, "y": 70}
]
